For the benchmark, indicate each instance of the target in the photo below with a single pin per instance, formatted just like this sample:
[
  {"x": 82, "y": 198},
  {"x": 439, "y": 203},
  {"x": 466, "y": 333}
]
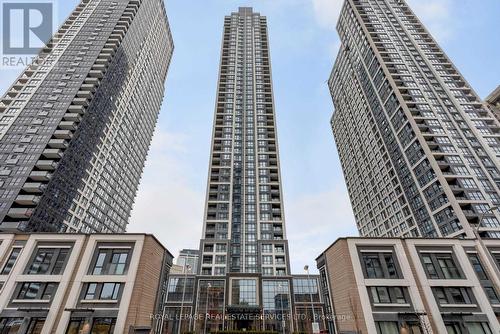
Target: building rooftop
[{"x": 494, "y": 97}]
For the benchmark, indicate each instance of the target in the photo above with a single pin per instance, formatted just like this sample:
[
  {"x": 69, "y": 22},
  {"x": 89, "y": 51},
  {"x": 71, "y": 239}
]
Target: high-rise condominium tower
[
  {"x": 76, "y": 125},
  {"x": 244, "y": 209},
  {"x": 243, "y": 280},
  {"x": 418, "y": 148}
]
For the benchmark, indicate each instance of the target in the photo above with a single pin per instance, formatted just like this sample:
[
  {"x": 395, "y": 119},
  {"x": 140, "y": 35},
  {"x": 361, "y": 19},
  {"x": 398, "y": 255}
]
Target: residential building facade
[
  {"x": 418, "y": 148},
  {"x": 80, "y": 283},
  {"x": 76, "y": 125},
  {"x": 414, "y": 286},
  {"x": 243, "y": 280},
  {"x": 493, "y": 101}
]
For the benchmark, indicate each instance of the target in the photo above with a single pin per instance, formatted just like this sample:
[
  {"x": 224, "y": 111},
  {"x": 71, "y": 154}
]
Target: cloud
[
  {"x": 436, "y": 16},
  {"x": 167, "y": 205},
  {"x": 327, "y": 12},
  {"x": 334, "y": 48},
  {"x": 314, "y": 221}
]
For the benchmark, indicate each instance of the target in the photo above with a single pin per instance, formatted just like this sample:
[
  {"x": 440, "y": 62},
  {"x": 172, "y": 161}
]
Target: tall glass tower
[
  {"x": 243, "y": 281},
  {"x": 244, "y": 230},
  {"x": 419, "y": 150},
  {"x": 75, "y": 127}
]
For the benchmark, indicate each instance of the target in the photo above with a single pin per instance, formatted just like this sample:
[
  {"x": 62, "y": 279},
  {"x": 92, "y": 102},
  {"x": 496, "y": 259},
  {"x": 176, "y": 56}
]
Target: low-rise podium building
[
  {"x": 80, "y": 283},
  {"x": 392, "y": 286}
]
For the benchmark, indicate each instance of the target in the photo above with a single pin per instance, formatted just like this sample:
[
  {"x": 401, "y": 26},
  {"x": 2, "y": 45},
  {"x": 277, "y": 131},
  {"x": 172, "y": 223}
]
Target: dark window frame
[
  {"x": 107, "y": 252},
  {"x": 390, "y": 270},
  {"x": 56, "y": 265},
  {"x": 437, "y": 269},
  {"x": 11, "y": 262}
]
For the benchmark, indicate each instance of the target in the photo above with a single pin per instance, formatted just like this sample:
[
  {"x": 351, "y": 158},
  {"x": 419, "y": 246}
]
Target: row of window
[{"x": 52, "y": 261}]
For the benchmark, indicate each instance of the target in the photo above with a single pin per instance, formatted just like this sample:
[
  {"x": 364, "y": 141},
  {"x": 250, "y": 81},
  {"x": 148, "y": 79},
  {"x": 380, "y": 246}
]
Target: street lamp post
[
  {"x": 484, "y": 250},
  {"x": 187, "y": 268},
  {"x": 206, "y": 308},
  {"x": 313, "y": 322}
]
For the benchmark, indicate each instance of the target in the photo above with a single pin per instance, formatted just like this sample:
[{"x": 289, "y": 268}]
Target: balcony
[
  {"x": 46, "y": 164},
  {"x": 52, "y": 153},
  {"x": 40, "y": 176},
  {"x": 81, "y": 101},
  {"x": 63, "y": 134},
  {"x": 67, "y": 125},
  {"x": 79, "y": 109},
  {"x": 72, "y": 117},
  {"x": 33, "y": 187},
  {"x": 20, "y": 213},
  {"x": 58, "y": 143},
  {"x": 27, "y": 199}
]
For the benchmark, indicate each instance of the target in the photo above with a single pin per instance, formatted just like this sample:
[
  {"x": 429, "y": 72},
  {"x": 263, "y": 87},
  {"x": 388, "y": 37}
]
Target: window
[
  {"x": 29, "y": 291},
  {"x": 452, "y": 295},
  {"x": 387, "y": 327},
  {"x": 267, "y": 248},
  {"x": 275, "y": 295},
  {"x": 111, "y": 262},
  {"x": 179, "y": 287},
  {"x": 391, "y": 266},
  {"x": 478, "y": 267},
  {"x": 478, "y": 328},
  {"x": 448, "y": 267},
  {"x": 306, "y": 290},
  {"x": 41, "y": 263},
  {"x": 373, "y": 266},
  {"x": 10, "y": 325},
  {"x": 48, "y": 261},
  {"x": 492, "y": 295},
  {"x": 453, "y": 328},
  {"x": 11, "y": 261},
  {"x": 118, "y": 262},
  {"x": 60, "y": 261},
  {"x": 110, "y": 291},
  {"x": 387, "y": 295},
  {"x": 36, "y": 291},
  {"x": 244, "y": 292},
  {"x": 36, "y": 326},
  {"x": 429, "y": 267},
  {"x": 75, "y": 326},
  {"x": 91, "y": 291},
  {"x": 380, "y": 265},
  {"x": 267, "y": 271},
  {"x": 102, "y": 291},
  {"x": 103, "y": 326},
  {"x": 440, "y": 266}
]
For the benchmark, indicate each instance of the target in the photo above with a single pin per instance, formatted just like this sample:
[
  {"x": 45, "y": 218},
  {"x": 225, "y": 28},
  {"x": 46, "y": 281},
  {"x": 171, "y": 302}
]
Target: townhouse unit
[
  {"x": 413, "y": 286},
  {"x": 81, "y": 283}
]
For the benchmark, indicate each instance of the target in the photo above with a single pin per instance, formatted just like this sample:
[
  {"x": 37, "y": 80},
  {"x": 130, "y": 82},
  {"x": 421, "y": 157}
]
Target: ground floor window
[
  {"x": 468, "y": 328},
  {"x": 103, "y": 326},
  {"x": 478, "y": 328},
  {"x": 387, "y": 327},
  {"x": 10, "y": 325},
  {"x": 36, "y": 326},
  {"x": 394, "y": 327},
  {"x": 99, "y": 325},
  {"x": 76, "y": 325}
]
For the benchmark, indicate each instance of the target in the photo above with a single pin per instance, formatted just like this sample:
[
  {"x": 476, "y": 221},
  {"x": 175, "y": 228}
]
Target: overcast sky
[{"x": 303, "y": 44}]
